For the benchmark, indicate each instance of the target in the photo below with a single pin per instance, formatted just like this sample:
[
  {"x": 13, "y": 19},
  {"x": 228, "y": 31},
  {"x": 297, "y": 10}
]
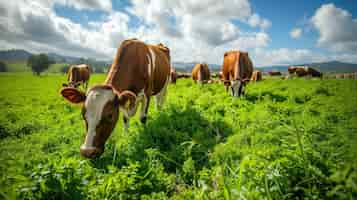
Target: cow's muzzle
[{"x": 91, "y": 152}]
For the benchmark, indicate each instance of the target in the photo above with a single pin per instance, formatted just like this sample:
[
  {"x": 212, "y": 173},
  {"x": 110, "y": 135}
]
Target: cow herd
[{"x": 138, "y": 72}]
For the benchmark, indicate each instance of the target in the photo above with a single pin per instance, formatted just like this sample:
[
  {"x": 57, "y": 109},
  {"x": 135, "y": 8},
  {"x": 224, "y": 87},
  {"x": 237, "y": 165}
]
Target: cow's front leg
[{"x": 144, "y": 109}]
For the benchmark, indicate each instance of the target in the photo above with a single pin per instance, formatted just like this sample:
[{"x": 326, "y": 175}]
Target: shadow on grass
[
  {"x": 175, "y": 134},
  {"x": 274, "y": 97}
]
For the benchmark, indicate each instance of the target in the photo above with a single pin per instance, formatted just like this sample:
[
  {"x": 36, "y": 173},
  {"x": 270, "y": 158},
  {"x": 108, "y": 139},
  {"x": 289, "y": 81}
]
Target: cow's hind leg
[
  {"x": 160, "y": 97},
  {"x": 144, "y": 109}
]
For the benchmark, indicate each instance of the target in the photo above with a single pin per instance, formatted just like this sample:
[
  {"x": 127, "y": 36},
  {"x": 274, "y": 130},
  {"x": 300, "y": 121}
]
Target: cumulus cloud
[
  {"x": 296, "y": 33},
  {"x": 210, "y": 21},
  {"x": 337, "y": 28},
  {"x": 194, "y": 30},
  {"x": 285, "y": 56},
  {"x": 256, "y": 21}
]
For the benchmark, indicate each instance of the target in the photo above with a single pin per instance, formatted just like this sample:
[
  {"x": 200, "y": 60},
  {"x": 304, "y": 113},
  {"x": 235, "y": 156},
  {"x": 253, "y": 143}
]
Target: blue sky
[{"x": 274, "y": 32}]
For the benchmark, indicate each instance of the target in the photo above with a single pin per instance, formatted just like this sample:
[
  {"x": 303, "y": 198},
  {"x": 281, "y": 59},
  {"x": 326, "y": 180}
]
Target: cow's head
[
  {"x": 238, "y": 87},
  {"x": 100, "y": 111}
]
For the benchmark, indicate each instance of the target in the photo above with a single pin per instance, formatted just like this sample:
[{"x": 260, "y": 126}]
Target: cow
[
  {"x": 274, "y": 73},
  {"x": 236, "y": 70},
  {"x": 183, "y": 75},
  {"x": 301, "y": 71},
  {"x": 138, "y": 72},
  {"x": 201, "y": 73},
  {"x": 257, "y": 76},
  {"x": 78, "y": 74},
  {"x": 173, "y": 76},
  {"x": 339, "y": 76}
]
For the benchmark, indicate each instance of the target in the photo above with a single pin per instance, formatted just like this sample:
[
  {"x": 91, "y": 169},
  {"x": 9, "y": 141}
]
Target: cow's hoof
[{"x": 143, "y": 120}]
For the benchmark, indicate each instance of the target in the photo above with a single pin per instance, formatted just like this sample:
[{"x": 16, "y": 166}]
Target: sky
[{"x": 275, "y": 32}]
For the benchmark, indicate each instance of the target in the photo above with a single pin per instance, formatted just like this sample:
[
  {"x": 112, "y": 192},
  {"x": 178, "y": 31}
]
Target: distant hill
[
  {"x": 16, "y": 58},
  {"x": 22, "y": 55},
  {"x": 335, "y": 67},
  {"x": 325, "y": 67},
  {"x": 61, "y": 58},
  {"x": 188, "y": 66},
  {"x": 14, "y": 55}
]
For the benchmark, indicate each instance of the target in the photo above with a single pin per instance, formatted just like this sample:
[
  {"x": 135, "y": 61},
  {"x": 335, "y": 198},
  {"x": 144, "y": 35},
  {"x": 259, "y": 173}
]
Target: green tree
[
  {"x": 39, "y": 63},
  {"x": 3, "y": 67}
]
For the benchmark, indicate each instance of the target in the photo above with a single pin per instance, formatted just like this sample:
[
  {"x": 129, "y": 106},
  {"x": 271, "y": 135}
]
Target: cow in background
[
  {"x": 257, "y": 76},
  {"x": 301, "y": 71},
  {"x": 237, "y": 71},
  {"x": 274, "y": 73},
  {"x": 78, "y": 74},
  {"x": 138, "y": 72},
  {"x": 201, "y": 73},
  {"x": 173, "y": 76}
]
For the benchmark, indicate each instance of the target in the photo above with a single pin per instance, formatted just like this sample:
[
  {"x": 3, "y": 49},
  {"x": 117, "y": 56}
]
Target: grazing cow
[
  {"x": 236, "y": 70},
  {"x": 274, "y": 73},
  {"x": 339, "y": 76},
  {"x": 301, "y": 71},
  {"x": 173, "y": 76},
  {"x": 138, "y": 72},
  {"x": 183, "y": 75},
  {"x": 257, "y": 76},
  {"x": 76, "y": 75},
  {"x": 201, "y": 73}
]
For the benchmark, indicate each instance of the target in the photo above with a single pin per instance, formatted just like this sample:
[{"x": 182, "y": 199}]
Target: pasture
[{"x": 286, "y": 139}]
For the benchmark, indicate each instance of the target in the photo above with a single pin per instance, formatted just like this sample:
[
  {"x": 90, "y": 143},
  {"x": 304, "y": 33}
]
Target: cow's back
[
  {"x": 229, "y": 62},
  {"x": 132, "y": 68},
  {"x": 161, "y": 68},
  {"x": 195, "y": 71},
  {"x": 84, "y": 72},
  {"x": 237, "y": 66},
  {"x": 245, "y": 67}
]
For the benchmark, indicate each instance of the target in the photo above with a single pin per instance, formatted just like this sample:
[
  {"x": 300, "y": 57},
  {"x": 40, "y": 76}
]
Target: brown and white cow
[
  {"x": 274, "y": 73},
  {"x": 301, "y": 71},
  {"x": 138, "y": 72},
  {"x": 201, "y": 73},
  {"x": 257, "y": 76},
  {"x": 236, "y": 70},
  {"x": 78, "y": 74}
]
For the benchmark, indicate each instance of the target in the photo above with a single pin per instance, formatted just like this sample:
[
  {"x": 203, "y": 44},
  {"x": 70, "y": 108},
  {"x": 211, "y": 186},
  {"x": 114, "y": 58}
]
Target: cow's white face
[
  {"x": 100, "y": 112},
  {"x": 237, "y": 88}
]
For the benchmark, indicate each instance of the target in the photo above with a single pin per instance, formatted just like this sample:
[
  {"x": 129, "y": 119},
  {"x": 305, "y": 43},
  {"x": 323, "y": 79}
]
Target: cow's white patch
[
  {"x": 235, "y": 87},
  {"x": 149, "y": 64},
  {"x": 153, "y": 59},
  {"x": 94, "y": 104}
]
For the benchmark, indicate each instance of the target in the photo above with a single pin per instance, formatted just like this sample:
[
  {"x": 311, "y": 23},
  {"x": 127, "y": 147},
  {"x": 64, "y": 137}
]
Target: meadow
[{"x": 286, "y": 139}]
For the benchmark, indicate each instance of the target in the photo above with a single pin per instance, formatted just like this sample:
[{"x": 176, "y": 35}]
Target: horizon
[{"x": 280, "y": 33}]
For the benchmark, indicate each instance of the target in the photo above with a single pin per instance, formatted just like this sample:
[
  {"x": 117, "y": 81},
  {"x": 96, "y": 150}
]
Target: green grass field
[{"x": 294, "y": 139}]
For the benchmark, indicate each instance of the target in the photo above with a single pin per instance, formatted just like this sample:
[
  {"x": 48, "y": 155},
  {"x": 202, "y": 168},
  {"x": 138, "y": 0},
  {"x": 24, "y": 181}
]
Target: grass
[{"x": 293, "y": 139}]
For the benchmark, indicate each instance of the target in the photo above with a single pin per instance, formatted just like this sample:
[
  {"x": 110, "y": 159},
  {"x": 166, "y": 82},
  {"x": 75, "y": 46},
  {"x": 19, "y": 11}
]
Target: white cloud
[
  {"x": 285, "y": 56},
  {"x": 296, "y": 33},
  {"x": 210, "y": 20},
  {"x": 337, "y": 29},
  {"x": 256, "y": 21}
]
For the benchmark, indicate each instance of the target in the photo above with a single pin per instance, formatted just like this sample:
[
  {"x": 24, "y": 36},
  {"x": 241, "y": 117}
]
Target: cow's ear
[
  {"x": 73, "y": 95},
  {"x": 127, "y": 99}
]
